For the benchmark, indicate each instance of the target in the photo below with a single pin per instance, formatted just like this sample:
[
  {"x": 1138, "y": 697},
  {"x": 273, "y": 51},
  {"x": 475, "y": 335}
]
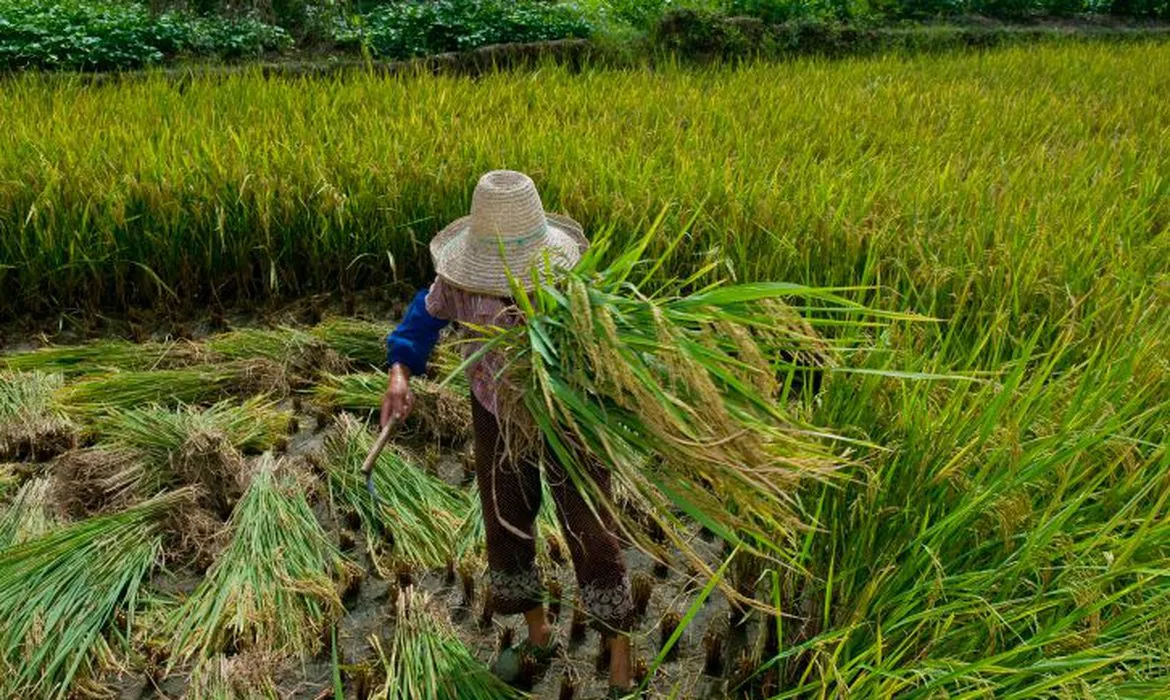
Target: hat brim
[{"x": 480, "y": 269}]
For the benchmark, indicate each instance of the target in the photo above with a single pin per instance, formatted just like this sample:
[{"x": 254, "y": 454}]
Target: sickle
[{"x": 371, "y": 459}]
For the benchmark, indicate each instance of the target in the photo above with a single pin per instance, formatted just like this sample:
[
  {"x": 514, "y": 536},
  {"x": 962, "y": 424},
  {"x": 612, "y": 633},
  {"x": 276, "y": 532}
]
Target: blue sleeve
[{"x": 415, "y": 337}]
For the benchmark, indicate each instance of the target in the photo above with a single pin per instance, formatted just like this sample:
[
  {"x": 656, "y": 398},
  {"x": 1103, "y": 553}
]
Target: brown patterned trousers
[{"x": 511, "y": 493}]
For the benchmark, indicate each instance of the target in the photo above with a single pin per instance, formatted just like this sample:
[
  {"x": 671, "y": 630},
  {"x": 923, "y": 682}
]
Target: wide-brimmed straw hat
[{"x": 507, "y": 232}]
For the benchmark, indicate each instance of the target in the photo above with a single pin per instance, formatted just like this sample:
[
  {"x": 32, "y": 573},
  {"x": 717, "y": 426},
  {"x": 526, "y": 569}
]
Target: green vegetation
[
  {"x": 416, "y": 514},
  {"x": 106, "y": 34},
  {"x": 61, "y": 593},
  {"x": 31, "y": 422},
  {"x": 31, "y": 514},
  {"x": 273, "y": 588},
  {"x": 427, "y": 659}
]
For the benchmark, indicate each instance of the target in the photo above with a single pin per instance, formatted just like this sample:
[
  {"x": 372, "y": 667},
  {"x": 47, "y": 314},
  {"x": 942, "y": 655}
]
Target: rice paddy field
[{"x": 182, "y": 517}]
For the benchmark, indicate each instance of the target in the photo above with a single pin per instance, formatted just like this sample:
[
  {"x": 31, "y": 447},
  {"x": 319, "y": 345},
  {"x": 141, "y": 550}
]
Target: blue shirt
[{"x": 413, "y": 340}]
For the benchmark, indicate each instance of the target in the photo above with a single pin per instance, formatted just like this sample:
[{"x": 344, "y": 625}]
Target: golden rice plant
[
  {"x": 103, "y": 355},
  {"x": 441, "y": 413}
]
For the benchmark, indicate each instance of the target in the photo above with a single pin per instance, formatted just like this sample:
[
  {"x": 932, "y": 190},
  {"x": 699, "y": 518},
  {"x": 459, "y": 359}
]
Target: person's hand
[{"x": 399, "y": 399}]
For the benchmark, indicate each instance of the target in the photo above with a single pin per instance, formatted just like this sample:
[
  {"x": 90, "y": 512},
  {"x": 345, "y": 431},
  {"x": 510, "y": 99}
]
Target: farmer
[{"x": 508, "y": 232}]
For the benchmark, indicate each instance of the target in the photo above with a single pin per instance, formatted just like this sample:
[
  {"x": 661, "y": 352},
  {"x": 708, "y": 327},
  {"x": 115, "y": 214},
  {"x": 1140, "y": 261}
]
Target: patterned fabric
[
  {"x": 510, "y": 494},
  {"x": 450, "y": 303}
]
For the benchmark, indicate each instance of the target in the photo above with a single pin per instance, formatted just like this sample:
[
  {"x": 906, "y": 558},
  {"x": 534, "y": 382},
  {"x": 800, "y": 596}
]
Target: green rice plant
[
  {"x": 428, "y": 661},
  {"x": 273, "y": 589},
  {"x": 441, "y": 413},
  {"x": 9, "y": 479},
  {"x": 31, "y": 513},
  {"x": 93, "y": 397},
  {"x": 418, "y": 511},
  {"x": 63, "y": 592},
  {"x": 31, "y": 423},
  {"x": 103, "y": 355}
]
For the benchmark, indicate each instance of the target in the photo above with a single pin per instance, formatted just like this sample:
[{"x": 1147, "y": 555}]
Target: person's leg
[
  {"x": 510, "y": 496},
  {"x": 599, "y": 565}
]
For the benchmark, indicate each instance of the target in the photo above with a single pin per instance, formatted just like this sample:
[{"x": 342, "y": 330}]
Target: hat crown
[{"x": 506, "y": 207}]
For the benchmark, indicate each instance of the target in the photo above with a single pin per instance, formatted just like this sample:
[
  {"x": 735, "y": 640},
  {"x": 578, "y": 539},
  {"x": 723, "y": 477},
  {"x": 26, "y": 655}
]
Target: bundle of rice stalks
[
  {"x": 428, "y": 661},
  {"x": 31, "y": 425},
  {"x": 31, "y": 514},
  {"x": 360, "y": 342},
  {"x": 60, "y": 592},
  {"x": 675, "y": 391},
  {"x": 272, "y": 589},
  {"x": 9, "y": 479},
  {"x": 191, "y": 446},
  {"x": 302, "y": 354},
  {"x": 105, "y": 355},
  {"x": 419, "y": 512},
  {"x": 441, "y": 413},
  {"x": 246, "y": 675},
  {"x": 192, "y": 385}
]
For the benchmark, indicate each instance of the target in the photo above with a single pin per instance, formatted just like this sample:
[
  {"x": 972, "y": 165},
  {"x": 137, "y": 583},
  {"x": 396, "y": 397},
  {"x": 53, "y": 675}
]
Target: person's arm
[{"x": 408, "y": 348}]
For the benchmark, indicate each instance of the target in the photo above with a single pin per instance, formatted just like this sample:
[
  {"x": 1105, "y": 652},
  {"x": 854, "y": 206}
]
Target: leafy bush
[
  {"x": 103, "y": 35},
  {"x": 407, "y": 29}
]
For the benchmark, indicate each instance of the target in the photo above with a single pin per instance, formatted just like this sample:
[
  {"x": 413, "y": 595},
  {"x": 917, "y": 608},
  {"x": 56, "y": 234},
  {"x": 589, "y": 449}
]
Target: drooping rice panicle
[
  {"x": 104, "y": 355},
  {"x": 301, "y": 352},
  {"x": 191, "y": 385},
  {"x": 61, "y": 592},
  {"x": 441, "y": 413},
  {"x": 419, "y": 512},
  {"x": 31, "y": 514},
  {"x": 274, "y": 588},
  {"x": 31, "y": 424},
  {"x": 428, "y": 661}
]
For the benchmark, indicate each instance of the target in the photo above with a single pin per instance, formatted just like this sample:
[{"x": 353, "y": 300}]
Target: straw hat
[{"x": 508, "y": 232}]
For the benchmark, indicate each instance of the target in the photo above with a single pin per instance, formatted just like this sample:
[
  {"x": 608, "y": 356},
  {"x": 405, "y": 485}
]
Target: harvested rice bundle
[
  {"x": 441, "y": 413},
  {"x": 418, "y": 510},
  {"x": 360, "y": 342},
  {"x": 60, "y": 592},
  {"x": 31, "y": 514},
  {"x": 300, "y": 352},
  {"x": 247, "y": 675},
  {"x": 9, "y": 479},
  {"x": 428, "y": 661},
  {"x": 192, "y": 385},
  {"x": 104, "y": 355},
  {"x": 273, "y": 589},
  {"x": 191, "y": 446},
  {"x": 31, "y": 424},
  {"x": 674, "y": 391}
]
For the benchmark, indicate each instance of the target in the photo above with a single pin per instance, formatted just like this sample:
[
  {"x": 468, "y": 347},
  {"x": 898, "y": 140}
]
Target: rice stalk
[
  {"x": 31, "y": 514},
  {"x": 420, "y": 513},
  {"x": 273, "y": 589},
  {"x": 441, "y": 413},
  {"x": 104, "y": 355},
  {"x": 60, "y": 593},
  {"x": 247, "y": 675},
  {"x": 428, "y": 661},
  {"x": 31, "y": 423},
  {"x": 93, "y": 397}
]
